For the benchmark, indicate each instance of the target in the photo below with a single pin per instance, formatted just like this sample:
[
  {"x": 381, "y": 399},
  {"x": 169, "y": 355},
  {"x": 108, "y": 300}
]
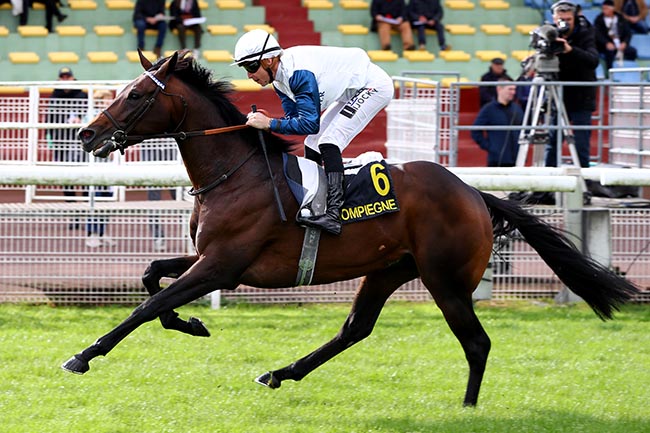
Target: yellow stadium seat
[
  {"x": 245, "y": 85},
  {"x": 495, "y": 29},
  {"x": 102, "y": 57},
  {"x": 82, "y": 5},
  {"x": 230, "y": 4},
  {"x": 495, "y": 4},
  {"x": 4, "y": 31},
  {"x": 455, "y": 56},
  {"x": 460, "y": 29},
  {"x": 459, "y": 4},
  {"x": 32, "y": 31},
  {"x": 354, "y": 4},
  {"x": 525, "y": 29},
  {"x": 418, "y": 56},
  {"x": 147, "y": 32},
  {"x": 203, "y": 4},
  {"x": 268, "y": 28},
  {"x": 318, "y": 4},
  {"x": 487, "y": 55},
  {"x": 38, "y": 6},
  {"x": 132, "y": 56},
  {"x": 222, "y": 29},
  {"x": 63, "y": 57},
  {"x": 353, "y": 29},
  {"x": 70, "y": 31},
  {"x": 217, "y": 56},
  {"x": 120, "y": 4},
  {"x": 108, "y": 30},
  {"x": 382, "y": 56},
  {"x": 6, "y": 6},
  {"x": 521, "y": 54},
  {"x": 13, "y": 90},
  {"x": 24, "y": 57},
  {"x": 446, "y": 82}
]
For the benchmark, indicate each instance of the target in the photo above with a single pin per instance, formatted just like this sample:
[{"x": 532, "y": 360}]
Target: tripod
[{"x": 542, "y": 100}]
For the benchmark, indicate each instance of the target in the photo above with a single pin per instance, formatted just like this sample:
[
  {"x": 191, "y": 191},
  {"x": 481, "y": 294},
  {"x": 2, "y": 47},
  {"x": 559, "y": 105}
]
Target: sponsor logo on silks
[
  {"x": 362, "y": 95},
  {"x": 369, "y": 194}
]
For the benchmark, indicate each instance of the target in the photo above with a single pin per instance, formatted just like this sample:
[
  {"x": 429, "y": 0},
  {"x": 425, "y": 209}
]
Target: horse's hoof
[
  {"x": 198, "y": 327},
  {"x": 267, "y": 379},
  {"x": 75, "y": 365}
]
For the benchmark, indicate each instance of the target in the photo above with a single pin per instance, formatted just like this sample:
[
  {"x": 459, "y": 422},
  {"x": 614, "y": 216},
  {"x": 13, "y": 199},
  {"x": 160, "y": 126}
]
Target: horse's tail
[{"x": 601, "y": 288}]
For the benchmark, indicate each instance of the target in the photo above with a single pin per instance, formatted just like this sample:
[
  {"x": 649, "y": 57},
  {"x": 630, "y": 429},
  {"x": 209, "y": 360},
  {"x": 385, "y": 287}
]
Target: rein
[
  {"x": 194, "y": 192},
  {"x": 182, "y": 135}
]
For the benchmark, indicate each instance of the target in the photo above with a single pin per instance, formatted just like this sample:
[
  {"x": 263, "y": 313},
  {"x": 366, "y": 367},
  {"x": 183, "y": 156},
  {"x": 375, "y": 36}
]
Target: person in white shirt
[{"x": 329, "y": 94}]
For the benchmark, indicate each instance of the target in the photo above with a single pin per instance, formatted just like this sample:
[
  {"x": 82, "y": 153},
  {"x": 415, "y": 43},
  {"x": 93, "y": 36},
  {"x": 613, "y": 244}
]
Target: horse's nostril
[{"x": 86, "y": 134}]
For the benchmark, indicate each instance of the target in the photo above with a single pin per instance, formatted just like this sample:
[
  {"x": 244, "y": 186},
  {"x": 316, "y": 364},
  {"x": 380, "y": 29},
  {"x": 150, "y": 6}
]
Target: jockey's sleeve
[{"x": 302, "y": 113}]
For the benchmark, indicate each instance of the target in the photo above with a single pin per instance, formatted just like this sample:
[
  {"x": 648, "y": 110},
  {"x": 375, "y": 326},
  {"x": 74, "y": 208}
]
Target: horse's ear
[
  {"x": 170, "y": 66},
  {"x": 146, "y": 64}
]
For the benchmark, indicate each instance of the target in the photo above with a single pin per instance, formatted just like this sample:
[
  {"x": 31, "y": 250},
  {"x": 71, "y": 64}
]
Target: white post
[{"x": 215, "y": 299}]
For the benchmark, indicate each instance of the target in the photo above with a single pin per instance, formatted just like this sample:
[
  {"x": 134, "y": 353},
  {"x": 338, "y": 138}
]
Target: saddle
[{"x": 369, "y": 189}]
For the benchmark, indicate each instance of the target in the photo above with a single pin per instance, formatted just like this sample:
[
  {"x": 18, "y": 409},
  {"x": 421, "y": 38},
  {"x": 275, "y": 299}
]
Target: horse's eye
[{"x": 134, "y": 96}]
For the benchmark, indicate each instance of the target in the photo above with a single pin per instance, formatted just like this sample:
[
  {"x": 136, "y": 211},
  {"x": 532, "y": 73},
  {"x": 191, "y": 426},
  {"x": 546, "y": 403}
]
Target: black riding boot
[
  {"x": 333, "y": 164},
  {"x": 331, "y": 220}
]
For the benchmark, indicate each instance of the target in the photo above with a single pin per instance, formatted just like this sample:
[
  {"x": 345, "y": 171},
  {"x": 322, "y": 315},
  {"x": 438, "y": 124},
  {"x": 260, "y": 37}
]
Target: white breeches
[{"x": 347, "y": 117}]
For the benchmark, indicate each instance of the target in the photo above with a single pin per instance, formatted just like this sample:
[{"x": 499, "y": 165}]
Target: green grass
[{"x": 551, "y": 369}]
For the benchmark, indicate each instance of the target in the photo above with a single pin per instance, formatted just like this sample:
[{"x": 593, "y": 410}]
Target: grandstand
[{"x": 99, "y": 41}]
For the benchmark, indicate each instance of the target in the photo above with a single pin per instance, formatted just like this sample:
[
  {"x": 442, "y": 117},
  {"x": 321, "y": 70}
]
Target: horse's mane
[{"x": 220, "y": 94}]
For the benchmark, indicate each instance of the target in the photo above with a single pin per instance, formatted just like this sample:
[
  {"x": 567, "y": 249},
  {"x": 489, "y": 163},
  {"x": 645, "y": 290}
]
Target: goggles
[{"x": 251, "y": 67}]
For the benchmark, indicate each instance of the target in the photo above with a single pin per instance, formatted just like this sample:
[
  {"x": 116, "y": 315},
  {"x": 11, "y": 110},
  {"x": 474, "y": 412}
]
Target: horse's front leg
[
  {"x": 173, "y": 268},
  {"x": 198, "y": 281}
]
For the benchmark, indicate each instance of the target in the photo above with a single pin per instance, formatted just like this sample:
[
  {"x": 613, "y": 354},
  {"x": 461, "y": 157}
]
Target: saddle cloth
[{"x": 369, "y": 189}]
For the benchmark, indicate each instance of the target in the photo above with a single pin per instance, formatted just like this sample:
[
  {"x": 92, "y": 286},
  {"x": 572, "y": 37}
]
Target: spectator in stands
[
  {"x": 51, "y": 10},
  {"x": 523, "y": 92},
  {"x": 67, "y": 105},
  {"x": 187, "y": 16},
  {"x": 496, "y": 72},
  {"x": 96, "y": 226},
  {"x": 427, "y": 14},
  {"x": 150, "y": 14},
  {"x": 388, "y": 15},
  {"x": 613, "y": 35},
  {"x": 635, "y": 11},
  {"x": 501, "y": 145},
  {"x": 578, "y": 62},
  {"x": 341, "y": 83}
]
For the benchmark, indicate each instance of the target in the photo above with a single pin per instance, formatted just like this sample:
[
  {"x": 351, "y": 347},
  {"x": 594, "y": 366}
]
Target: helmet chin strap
[{"x": 270, "y": 72}]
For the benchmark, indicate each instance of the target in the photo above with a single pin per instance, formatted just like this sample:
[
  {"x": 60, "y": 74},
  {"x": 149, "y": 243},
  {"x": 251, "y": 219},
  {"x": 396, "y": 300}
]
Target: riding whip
[{"x": 276, "y": 193}]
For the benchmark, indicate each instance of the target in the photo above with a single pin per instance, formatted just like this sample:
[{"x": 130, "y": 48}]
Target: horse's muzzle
[{"x": 86, "y": 136}]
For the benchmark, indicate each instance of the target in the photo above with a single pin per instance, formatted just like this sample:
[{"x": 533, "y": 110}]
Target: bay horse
[{"x": 443, "y": 232}]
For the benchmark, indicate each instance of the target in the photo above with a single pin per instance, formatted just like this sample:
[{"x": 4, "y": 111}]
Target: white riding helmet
[{"x": 256, "y": 45}]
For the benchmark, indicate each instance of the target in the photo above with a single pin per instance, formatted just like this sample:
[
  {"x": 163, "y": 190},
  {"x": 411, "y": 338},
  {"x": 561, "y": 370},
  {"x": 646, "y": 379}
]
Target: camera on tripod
[{"x": 544, "y": 41}]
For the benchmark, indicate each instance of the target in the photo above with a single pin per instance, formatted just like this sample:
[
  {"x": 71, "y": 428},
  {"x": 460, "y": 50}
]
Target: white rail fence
[
  {"x": 51, "y": 249},
  {"x": 46, "y": 256}
]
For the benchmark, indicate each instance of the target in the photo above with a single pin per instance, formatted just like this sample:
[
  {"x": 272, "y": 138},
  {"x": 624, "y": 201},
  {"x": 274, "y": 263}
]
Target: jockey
[{"x": 340, "y": 83}]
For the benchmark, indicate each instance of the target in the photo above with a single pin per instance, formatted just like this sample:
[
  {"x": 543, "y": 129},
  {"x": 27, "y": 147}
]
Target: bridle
[{"x": 120, "y": 136}]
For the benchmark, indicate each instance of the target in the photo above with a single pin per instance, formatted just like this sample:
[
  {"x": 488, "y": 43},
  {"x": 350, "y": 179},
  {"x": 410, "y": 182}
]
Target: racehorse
[{"x": 443, "y": 232}]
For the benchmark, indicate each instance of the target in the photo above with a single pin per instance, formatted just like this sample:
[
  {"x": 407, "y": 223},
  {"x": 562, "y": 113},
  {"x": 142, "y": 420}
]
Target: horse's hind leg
[
  {"x": 173, "y": 268},
  {"x": 455, "y": 302},
  {"x": 368, "y": 302}
]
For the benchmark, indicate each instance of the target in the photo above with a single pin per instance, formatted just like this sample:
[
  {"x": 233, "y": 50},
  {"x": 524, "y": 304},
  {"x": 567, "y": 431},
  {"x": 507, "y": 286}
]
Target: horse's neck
[{"x": 208, "y": 158}]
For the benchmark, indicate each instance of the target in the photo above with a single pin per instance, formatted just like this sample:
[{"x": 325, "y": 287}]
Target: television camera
[{"x": 544, "y": 41}]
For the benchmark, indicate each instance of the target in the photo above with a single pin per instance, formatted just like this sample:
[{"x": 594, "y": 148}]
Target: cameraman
[{"x": 578, "y": 62}]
